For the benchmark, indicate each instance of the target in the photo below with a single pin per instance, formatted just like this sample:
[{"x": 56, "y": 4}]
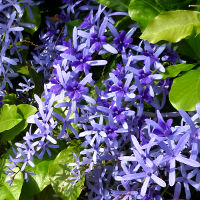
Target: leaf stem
[{"x": 193, "y": 6}]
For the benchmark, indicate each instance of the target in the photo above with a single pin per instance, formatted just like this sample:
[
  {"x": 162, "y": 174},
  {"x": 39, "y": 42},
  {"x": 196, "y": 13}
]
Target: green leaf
[
  {"x": 124, "y": 23},
  {"x": 25, "y": 111},
  {"x": 185, "y": 91},
  {"x": 173, "y": 4},
  {"x": 172, "y": 26},
  {"x": 8, "y": 192},
  {"x": 36, "y": 19},
  {"x": 143, "y": 11},
  {"x": 37, "y": 79},
  {"x": 23, "y": 70},
  {"x": 13, "y": 132},
  {"x": 190, "y": 47},
  {"x": 41, "y": 176},
  {"x": 59, "y": 173},
  {"x": 72, "y": 24},
  {"x": 119, "y": 5},
  {"x": 38, "y": 181},
  {"x": 9, "y": 117},
  {"x": 10, "y": 99},
  {"x": 174, "y": 70}
]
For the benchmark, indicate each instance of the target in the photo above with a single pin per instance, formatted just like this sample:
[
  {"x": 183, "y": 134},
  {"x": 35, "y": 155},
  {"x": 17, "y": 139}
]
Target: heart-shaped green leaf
[{"x": 9, "y": 117}]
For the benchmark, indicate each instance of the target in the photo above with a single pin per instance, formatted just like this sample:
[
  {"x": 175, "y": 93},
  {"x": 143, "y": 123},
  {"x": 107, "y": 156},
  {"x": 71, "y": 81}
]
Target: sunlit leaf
[
  {"x": 174, "y": 70},
  {"x": 185, "y": 91},
  {"x": 172, "y": 26},
  {"x": 9, "y": 117}
]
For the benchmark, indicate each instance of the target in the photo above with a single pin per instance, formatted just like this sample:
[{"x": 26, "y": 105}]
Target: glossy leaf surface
[
  {"x": 185, "y": 91},
  {"x": 172, "y": 26}
]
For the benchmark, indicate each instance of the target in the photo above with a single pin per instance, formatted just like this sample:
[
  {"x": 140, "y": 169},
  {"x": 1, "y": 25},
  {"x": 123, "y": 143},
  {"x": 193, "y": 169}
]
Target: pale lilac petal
[
  {"x": 172, "y": 174},
  {"x": 188, "y": 120},
  {"x": 16, "y": 29},
  {"x": 127, "y": 158},
  {"x": 68, "y": 57},
  {"x": 130, "y": 176},
  {"x": 187, "y": 161},
  {"x": 84, "y": 133},
  {"x": 114, "y": 78},
  {"x": 158, "y": 180},
  {"x": 160, "y": 50},
  {"x": 144, "y": 186},
  {"x": 97, "y": 62},
  {"x": 9, "y": 60},
  {"x": 61, "y": 48},
  {"x": 137, "y": 145},
  {"x": 159, "y": 66},
  {"x": 110, "y": 48},
  {"x": 51, "y": 139},
  {"x": 181, "y": 143},
  {"x": 103, "y": 109},
  {"x": 86, "y": 79},
  {"x": 75, "y": 43},
  {"x": 89, "y": 99},
  {"x": 103, "y": 26},
  {"x": 177, "y": 191},
  {"x": 113, "y": 30},
  {"x": 83, "y": 34},
  {"x": 129, "y": 78}
]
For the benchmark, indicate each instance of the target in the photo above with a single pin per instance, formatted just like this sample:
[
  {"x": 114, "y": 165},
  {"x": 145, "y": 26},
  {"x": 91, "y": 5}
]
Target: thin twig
[
  {"x": 194, "y": 6},
  {"x": 31, "y": 43},
  {"x": 58, "y": 37},
  {"x": 168, "y": 114}
]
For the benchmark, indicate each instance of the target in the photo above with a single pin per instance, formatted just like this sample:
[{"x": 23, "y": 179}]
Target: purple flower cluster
[
  {"x": 38, "y": 142},
  {"x": 11, "y": 36},
  {"x": 129, "y": 151}
]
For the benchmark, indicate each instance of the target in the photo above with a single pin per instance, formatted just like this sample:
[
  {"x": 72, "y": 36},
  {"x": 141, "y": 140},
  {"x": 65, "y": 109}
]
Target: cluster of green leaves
[
  {"x": 13, "y": 120},
  {"x": 51, "y": 174},
  {"x": 178, "y": 22}
]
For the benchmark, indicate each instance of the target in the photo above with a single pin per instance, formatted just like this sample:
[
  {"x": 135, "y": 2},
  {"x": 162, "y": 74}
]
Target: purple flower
[
  {"x": 186, "y": 179},
  {"x": 9, "y": 27},
  {"x": 122, "y": 41},
  {"x": 149, "y": 171},
  {"x": 111, "y": 131},
  {"x": 152, "y": 53},
  {"x": 75, "y": 90},
  {"x": 162, "y": 128},
  {"x": 174, "y": 155},
  {"x": 119, "y": 72},
  {"x": 96, "y": 41},
  {"x": 80, "y": 63}
]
